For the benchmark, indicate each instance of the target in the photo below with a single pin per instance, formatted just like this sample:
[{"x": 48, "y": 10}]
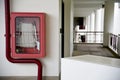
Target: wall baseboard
[{"x": 28, "y": 78}]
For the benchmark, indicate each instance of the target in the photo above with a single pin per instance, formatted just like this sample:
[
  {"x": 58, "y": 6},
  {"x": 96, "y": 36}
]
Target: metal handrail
[
  {"x": 88, "y": 31},
  {"x": 89, "y": 34}
]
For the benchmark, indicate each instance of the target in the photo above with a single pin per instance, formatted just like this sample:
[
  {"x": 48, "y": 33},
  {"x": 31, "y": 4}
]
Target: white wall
[
  {"x": 112, "y": 20},
  {"x": 99, "y": 19},
  {"x": 51, "y": 61},
  {"x": 108, "y": 20},
  {"x": 116, "y": 19},
  {"x": 92, "y": 22},
  {"x": 68, "y": 28},
  {"x": 71, "y": 28}
]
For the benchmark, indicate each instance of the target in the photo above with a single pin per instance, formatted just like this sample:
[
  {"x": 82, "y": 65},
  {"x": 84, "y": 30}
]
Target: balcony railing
[
  {"x": 88, "y": 37},
  {"x": 114, "y": 43}
]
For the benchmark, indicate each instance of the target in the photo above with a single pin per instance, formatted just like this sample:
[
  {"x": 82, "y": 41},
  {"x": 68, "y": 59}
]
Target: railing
[
  {"x": 114, "y": 43},
  {"x": 88, "y": 37}
]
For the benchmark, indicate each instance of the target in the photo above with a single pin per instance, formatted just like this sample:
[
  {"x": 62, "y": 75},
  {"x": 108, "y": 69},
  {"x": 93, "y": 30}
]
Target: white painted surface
[
  {"x": 108, "y": 20},
  {"x": 71, "y": 27},
  {"x": 83, "y": 12},
  {"x": 92, "y": 22},
  {"x": 99, "y": 19},
  {"x": 117, "y": 19},
  {"x": 112, "y": 20},
  {"x": 85, "y": 7},
  {"x": 51, "y": 61},
  {"x": 90, "y": 67},
  {"x": 67, "y": 27}
]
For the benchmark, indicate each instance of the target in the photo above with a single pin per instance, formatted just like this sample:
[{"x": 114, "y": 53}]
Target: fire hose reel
[{"x": 28, "y": 35}]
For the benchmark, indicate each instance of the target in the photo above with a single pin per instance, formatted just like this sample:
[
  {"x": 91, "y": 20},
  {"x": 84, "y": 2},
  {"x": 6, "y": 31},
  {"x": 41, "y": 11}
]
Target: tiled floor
[{"x": 91, "y": 49}]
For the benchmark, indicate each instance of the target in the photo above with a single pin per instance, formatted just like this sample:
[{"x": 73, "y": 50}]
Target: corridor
[{"x": 92, "y": 49}]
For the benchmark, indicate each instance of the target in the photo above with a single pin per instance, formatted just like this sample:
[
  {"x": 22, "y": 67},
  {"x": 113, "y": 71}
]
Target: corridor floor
[{"x": 91, "y": 49}]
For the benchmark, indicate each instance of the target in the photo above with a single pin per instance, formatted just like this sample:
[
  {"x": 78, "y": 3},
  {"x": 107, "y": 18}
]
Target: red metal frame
[
  {"x": 41, "y": 26},
  {"x": 8, "y": 50}
]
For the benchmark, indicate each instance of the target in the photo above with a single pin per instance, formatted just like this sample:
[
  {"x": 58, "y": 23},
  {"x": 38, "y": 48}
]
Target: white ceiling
[
  {"x": 87, "y": 3},
  {"x": 85, "y": 7}
]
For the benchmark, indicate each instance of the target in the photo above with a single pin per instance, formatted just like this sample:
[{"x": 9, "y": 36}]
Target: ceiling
[
  {"x": 87, "y": 3},
  {"x": 85, "y": 7}
]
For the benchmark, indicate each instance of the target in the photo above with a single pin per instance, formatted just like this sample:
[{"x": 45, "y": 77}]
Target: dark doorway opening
[{"x": 79, "y": 21}]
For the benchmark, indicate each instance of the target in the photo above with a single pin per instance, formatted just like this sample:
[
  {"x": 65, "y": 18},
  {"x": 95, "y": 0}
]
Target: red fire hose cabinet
[{"x": 27, "y": 35}]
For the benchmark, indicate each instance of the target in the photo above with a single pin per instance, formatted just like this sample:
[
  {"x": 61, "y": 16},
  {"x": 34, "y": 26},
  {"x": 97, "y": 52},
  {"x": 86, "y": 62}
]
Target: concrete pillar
[
  {"x": 108, "y": 21},
  {"x": 68, "y": 28}
]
